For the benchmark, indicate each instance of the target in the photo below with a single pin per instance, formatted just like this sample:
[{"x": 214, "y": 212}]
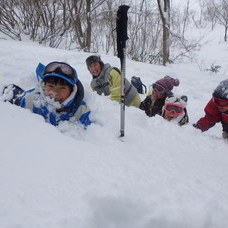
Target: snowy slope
[{"x": 161, "y": 175}]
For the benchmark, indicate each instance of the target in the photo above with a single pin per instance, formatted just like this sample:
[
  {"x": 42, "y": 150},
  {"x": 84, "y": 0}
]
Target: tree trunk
[
  {"x": 89, "y": 26},
  {"x": 165, "y": 17}
]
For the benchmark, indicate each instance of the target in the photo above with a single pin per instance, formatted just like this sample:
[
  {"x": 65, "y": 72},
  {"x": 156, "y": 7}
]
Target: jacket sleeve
[
  {"x": 132, "y": 97},
  {"x": 212, "y": 116},
  {"x": 145, "y": 103},
  {"x": 147, "y": 106},
  {"x": 82, "y": 114},
  {"x": 115, "y": 85},
  {"x": 27, "y": 99},
  {"x": 84, "y": 119}
]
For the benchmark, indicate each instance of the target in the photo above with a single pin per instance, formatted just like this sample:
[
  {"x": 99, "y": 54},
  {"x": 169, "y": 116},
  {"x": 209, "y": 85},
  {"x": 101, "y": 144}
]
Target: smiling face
[
  {"x": 57, "y": 91},
  {"x": 95, "y": 69}
]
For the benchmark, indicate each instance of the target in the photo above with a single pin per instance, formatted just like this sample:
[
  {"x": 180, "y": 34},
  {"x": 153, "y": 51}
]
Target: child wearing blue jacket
[{"x": 58, "y": 97}]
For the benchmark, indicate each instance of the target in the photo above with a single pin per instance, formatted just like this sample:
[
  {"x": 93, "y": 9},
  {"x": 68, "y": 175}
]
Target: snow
[{"x": 159, "y": 175}]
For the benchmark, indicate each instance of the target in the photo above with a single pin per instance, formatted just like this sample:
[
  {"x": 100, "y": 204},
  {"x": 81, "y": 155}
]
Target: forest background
[{"x": 89, "y": 25}]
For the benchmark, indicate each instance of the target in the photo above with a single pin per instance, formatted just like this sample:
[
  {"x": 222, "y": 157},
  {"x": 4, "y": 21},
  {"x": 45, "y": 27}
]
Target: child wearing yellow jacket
[{"x": 107, "y": 80}]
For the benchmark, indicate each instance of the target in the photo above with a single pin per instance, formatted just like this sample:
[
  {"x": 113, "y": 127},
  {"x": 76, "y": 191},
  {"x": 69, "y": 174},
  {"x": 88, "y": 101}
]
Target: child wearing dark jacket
[
  {"x": 161, "y": 89},
  {"x": 216, "y": 110}
]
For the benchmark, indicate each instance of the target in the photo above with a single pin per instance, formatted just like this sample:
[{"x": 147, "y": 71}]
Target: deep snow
[{"x": 160, "y": 175}]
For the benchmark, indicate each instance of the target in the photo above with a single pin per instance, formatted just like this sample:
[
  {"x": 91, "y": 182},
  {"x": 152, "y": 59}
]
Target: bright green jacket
[{"x": 109, "y": 84}]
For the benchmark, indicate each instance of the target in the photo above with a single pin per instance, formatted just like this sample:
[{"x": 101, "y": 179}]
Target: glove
[
  {"x": 12, "y": 92},
  {"x": 225, "y": 135},
  {"x": 195, "y": 125}
]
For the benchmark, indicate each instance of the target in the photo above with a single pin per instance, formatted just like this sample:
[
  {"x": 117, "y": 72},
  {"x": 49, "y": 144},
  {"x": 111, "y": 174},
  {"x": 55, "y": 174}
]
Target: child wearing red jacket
[{"x": 216, "y": 110}]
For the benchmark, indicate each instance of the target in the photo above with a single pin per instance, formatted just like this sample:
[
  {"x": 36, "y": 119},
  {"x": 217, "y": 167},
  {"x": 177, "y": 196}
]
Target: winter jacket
[
  {"x": 72, "y": 109},
  {"x": 152, "y": 107},
  {"x": 109, "y": 84},
  {"x": 213, "y": 116}
]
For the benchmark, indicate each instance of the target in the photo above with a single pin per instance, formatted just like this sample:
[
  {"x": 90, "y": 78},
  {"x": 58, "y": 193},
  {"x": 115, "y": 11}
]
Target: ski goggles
[
  {"x": 220, "y": 102},
  {"x": 61, "y": 70},
  {"x": 158, "y": 88},
  {"x": 174, "y": 108}
]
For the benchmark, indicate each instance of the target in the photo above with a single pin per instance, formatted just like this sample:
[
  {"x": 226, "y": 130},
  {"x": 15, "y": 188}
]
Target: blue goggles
[
  {"x": 61, "y": 70},
  {"x": 158, "y": 88}
]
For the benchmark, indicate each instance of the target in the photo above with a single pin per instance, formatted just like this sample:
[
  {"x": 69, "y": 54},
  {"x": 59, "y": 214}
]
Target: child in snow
[
  {"x": 175, "y": 109},
  {"x": 216, "y": 110},
  {"x": 58, "y": 96},
  {"x": 161, "y": 89},
  {"x": 107, "y": 80}
]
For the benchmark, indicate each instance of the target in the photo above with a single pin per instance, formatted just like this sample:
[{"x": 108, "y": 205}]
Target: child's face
[
  {"x": 170, "y": 115},
  {"x": 172, "y": 111},
  {"x": 57, "y": 91},
  {"x": 95, "y": 69},
  {"x": 223, "y": 108},
  {"x": 221, "y": 104},
  {"x": 156, "y": 95}
]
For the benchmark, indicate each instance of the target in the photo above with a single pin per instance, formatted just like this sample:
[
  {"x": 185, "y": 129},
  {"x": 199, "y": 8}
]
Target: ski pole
[{"x": 121, "y": 30}]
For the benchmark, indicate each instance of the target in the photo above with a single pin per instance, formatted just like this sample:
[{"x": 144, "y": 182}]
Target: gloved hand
[
  {"x": 11, "y": 93},
  {"x": 225, "y": 135},
  {"x": 195, "y": 125}
]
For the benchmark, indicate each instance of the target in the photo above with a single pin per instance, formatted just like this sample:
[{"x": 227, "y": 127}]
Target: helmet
[
  {"x": 221, "y": 90},
  {"x": 176, "y": 99}
]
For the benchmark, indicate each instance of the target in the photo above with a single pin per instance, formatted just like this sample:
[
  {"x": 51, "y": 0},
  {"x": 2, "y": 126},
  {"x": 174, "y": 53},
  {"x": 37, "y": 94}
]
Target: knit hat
[
  {"x": 222, "y": 90},
  {"x": 168, "y": 82},
  {"x": 94, "y": 59},
  {"x": 177, "y": 99}
]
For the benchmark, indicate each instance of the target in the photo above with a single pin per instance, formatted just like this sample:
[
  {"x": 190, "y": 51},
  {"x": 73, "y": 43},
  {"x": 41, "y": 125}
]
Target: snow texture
[{"x": 159, "y": 175}]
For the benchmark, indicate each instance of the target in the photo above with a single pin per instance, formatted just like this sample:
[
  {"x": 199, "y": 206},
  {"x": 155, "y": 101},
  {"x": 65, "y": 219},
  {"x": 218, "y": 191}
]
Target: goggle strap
[{"x": 64, "y": 67}]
